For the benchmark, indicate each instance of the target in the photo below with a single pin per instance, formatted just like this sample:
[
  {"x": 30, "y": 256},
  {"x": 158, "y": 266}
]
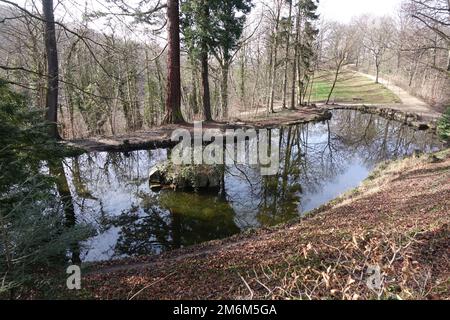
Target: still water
[{"x": 318, "y": 163}]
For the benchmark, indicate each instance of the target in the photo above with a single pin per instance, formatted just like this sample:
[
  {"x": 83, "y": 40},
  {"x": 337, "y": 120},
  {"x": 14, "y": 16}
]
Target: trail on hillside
[{"x": 409, "y": 102}]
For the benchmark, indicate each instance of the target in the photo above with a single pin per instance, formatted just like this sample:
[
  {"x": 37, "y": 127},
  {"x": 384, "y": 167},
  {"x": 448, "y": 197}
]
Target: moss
[
  {"x": 187, "y": 176},
  {"x": 444, "y": 125}
]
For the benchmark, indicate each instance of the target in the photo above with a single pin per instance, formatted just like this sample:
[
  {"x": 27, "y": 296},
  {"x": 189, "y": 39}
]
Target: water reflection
[
  {"x": 62, "y": 187},
  {"x": 173, "y": 220},
  {"x": 318, "y": 163}
]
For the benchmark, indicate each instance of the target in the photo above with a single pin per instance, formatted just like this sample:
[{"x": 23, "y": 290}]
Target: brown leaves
[
  {"x": 307, "y": 249},
  {"x": 324, "y": 256}
]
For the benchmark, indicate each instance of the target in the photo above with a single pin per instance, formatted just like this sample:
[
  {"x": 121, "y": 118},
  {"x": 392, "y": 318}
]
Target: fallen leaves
[{"x": 402, "y": 227}]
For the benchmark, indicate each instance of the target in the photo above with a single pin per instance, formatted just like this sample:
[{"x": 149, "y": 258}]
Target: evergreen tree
[
  {"x": 305, "y": 35},
  {"x": 35, "y": 231},
  {"x": 214, "y": 26},
  {"x": 444, "y": 125},
  {"x": 195, "y": 26},
  {"x": 227, "y": 20}
]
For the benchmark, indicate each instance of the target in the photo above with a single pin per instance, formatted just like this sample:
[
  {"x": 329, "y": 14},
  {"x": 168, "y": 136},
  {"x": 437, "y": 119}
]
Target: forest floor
[{"x": 397, "y": 220}]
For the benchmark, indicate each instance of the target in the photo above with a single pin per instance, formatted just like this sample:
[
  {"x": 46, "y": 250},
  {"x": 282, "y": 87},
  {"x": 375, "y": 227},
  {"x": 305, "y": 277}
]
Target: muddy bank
[
  {"x": 323, "y": 256},
  {"x": 409, "y": 118},
  {"x": 160, "y": 137}
]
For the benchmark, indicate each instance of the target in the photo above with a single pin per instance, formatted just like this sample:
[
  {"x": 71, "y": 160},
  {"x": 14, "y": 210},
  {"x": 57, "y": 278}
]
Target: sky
[
  {"x": 339, "y": 10},
  {"x": 336, "y": 10},
  {"x": 344, "y": 10}
]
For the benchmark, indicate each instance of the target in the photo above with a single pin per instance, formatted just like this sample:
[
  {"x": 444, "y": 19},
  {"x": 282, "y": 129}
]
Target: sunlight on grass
[{"x": 350, "y": 88}]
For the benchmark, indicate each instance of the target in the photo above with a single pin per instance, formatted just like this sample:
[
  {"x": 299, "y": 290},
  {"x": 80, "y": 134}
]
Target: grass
[
  {"x": 350, "y": 88},
  {"x": 444, "y": 125}
]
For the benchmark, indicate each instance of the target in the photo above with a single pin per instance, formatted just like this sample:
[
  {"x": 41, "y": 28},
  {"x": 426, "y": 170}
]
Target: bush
[
  {"x": 35, "y": 233},
  {"x": 444, "y": 125}
]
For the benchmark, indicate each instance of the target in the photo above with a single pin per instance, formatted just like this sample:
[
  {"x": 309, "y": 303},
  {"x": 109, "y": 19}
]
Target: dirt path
[
  {"x": 409, "y": 103},
  {"x": 323, "y": 256}
]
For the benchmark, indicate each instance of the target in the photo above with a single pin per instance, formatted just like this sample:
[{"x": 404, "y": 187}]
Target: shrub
[
  {"x": 444, "y": 125},
  {"x": 35, "y": 236}
]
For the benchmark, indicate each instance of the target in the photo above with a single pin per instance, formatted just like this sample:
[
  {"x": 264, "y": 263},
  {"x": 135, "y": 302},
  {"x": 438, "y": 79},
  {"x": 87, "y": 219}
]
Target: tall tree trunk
[
  {"x": 255, "y": 87},
  {"x": 173, "y": 95},
  {"x": 224, "y": 88},
  {"x": 299, "y": 81},
  {"x": 274, "y": 61},
  {"x": 150, "y": 92},
  {"x": 377, "y": 80},
  {"x": 53, "y": 69},
  {"x": 205, "y": 66},
  {"x": 286, "y": 57},
  {"x": 205, "y": 85},
  {"x": 448, "y": 42},
  {"x": 162, "y": 93},
  {"x": 242, "y": 75},
  {"x": 311, "y": 87},
  {"x": 294, "y": 67},
  {"x": 193, "y": 97},
  {"x": 338, "y": 68},
  {"x": 377, "y": 66},
  {"x": 270, "y": 77},
  {"x": 448, "y": 66}
]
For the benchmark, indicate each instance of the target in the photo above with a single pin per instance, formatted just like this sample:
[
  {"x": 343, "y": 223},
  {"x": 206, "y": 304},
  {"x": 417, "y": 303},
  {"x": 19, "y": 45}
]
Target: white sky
[
  {"x": 337, "y": 10},
  {"x": 341, "y": 10},
  {"x": 344, "y": 10}
]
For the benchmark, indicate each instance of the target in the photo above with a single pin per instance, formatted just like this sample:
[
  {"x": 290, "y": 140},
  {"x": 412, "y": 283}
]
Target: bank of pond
[{"x": 318, "y": 162}]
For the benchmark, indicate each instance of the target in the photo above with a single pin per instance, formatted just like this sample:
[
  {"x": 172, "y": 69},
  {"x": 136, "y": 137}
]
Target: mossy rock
[{"x": 185, "y": 177}]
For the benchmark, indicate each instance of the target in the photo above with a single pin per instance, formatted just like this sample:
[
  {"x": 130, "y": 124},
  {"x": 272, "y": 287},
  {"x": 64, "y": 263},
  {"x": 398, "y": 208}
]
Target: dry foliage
[{"x": 399, "y": 221}]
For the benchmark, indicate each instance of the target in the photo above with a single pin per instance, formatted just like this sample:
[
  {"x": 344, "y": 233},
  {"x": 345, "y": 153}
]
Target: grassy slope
[
  {"x": 322, "y": 256},
  {"x": 351, "y": 88}
]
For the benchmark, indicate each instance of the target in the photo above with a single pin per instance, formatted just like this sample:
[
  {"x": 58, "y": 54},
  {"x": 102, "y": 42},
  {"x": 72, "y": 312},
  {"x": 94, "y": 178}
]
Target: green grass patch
[{"x": 350, "y": 88}]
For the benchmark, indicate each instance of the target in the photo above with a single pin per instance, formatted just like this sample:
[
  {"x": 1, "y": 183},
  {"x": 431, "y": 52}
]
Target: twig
[{"x": 146, "y": 287}]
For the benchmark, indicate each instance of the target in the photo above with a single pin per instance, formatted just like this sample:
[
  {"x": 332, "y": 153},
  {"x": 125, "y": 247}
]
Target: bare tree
[
  {"x": 274, "y": 53},
  {"x": 435, "y": 15},
  {"x": 52, "y": 67},
  {"x": 340, "y": 44},
  {"x": 286, "y": 56},
  {"x": 296, "y": 58},
  {"x": 378, "y": 40}
]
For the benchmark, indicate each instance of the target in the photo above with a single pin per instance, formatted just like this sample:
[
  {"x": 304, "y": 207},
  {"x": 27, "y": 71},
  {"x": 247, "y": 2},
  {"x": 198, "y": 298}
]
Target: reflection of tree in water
[
  {"x": 62, "y": 187},
  {"x": 93, "y": 175},
  {"x": 276, "y": 199},
  {"x": 173, "y": 220},
  {"x": 281, "y": 194},
  {"x": 313, "y": 155},
  {"x": 130, "y": 168},
  {"x": 97, "y": 179},
  {"x": 375, "y": 139},
  {"x": 79, "y": 182}
]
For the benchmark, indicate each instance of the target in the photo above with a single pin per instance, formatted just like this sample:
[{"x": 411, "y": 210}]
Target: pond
[{"x": 318, "y": 162}]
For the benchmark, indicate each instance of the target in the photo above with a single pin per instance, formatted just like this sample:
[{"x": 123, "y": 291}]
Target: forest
[{"x": 355, "y": 112}]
